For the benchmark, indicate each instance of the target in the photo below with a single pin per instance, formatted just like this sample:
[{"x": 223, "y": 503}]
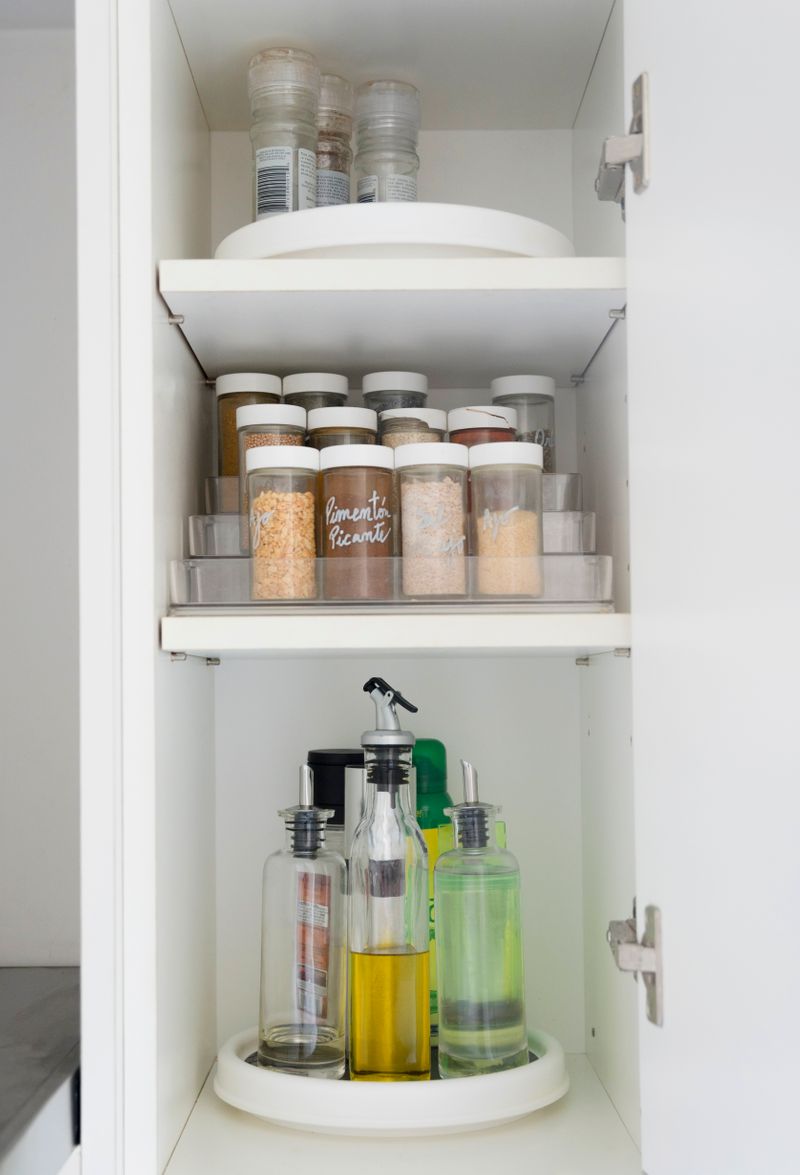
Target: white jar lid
[
  {"x": 394, "y": 381},
  {"x": 342, "y": 418},
  {"x": 431, "y": 453},
  {"x": 506, "y": 453},
  {"x": 267, "y": 414},
  {"x": 350, "y": 456},
  {"x": 524, "y": 385},
  {"x": 482, "y": 416},
  {"x": 281, "y": 457},
  {"x": 248, "y": 381},
  {"x": 433, "y": 417},
  {"x": 315, "y": 381}
]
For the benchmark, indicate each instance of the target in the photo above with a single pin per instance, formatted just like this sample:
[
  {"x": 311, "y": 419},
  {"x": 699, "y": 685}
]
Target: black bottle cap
[{"x": 328, "y": 766}]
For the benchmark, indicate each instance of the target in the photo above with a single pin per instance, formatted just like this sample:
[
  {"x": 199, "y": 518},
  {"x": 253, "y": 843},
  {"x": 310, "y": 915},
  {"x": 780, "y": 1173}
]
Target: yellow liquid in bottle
[{"x": 390, "y": 1016}]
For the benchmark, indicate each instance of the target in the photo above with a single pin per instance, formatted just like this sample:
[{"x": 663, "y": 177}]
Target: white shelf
[
  {"x": 579, "y": 1135},
  {"x": 545, "y": 633},
  {"x": 460, "y": 321}
]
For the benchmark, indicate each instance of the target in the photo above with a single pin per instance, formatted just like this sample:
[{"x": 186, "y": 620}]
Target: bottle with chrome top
[
  {"x": 481, "y": 982},
  {"x": 303, "y": 947},
  {"x": 388, "y": 924},
  {"x": 284, "y": 96}
]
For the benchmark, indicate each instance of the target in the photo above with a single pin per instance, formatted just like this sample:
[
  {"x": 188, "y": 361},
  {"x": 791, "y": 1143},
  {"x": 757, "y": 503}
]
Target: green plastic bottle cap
[{"x": 430, "y": 759}]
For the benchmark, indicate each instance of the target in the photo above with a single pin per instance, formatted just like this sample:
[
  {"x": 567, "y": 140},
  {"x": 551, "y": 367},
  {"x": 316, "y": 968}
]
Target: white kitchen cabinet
[{"x": 669, "y": 775}]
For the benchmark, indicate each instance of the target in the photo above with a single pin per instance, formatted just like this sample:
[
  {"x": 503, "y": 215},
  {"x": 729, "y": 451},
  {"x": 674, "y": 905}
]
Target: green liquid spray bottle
[
  {"x": 433, "y": 802},
  {"x": 481, "y": 980}
]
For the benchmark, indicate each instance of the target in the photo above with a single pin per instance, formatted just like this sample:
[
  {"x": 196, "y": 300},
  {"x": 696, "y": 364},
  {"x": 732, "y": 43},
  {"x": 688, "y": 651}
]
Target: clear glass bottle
[
  {"x": 480, "y": 972},
  {"x": 506, "y": 526},
  {"x": 533, "y": 398},
  {"x": 388, "y": 924},
  {"x": 284, "y": 96},
  {"x": 303, "y": 947},
  {"x": 387, "y": 125},
  {"x": 334, "y": 154}
]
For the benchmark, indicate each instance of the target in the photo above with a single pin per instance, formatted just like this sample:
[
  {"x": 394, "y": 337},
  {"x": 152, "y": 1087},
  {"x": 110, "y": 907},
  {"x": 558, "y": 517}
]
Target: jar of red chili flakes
[{"x": 482, "y": 425}]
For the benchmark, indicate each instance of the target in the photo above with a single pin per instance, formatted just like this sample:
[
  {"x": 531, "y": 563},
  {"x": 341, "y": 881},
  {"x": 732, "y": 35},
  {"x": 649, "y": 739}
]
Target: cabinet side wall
[
  {"x": 609, "y": 877},
  {"x": 39, "y": 912},
  {"x": 515, "y": 718},
  {"x": 184, "y": 742},
  {"x": 598, "y": 227}
]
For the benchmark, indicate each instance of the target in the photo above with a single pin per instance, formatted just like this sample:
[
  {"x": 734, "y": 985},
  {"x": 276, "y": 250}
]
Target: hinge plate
[
  {"x": 642, "y": 958},
  {"x": 633, "y": 149}
]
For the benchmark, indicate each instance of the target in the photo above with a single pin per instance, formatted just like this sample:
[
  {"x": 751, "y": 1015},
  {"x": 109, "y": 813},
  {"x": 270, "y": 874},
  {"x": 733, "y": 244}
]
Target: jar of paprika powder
[
  {"x": 482, "y": 425},
  {"x": 357, "y": 524}
]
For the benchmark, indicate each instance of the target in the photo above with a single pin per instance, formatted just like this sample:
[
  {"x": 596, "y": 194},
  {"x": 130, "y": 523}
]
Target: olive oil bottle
[{"x": 388, "y": 924}]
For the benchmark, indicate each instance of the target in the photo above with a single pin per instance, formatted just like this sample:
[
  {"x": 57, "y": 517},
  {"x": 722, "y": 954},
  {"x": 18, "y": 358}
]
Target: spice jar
[
  {"x": 482, "y": 425},
  {"x": 315, "y": 389},
  {"x": 412, "y": 426},
  {"x": 233, "y": 392},
  {"x": 383, "y": 390},
  {"x": 342, "y": 426},
  {"x": 335, "y": 130},
  {"x": 433, "y": 510},
  {"x": 506, "y": 529},
  {"x": 261, "y": 425},
  {"x": 282, "y": 489},
  {"x": 533, "y": 398},
  {"x": 357, "y": 522},
  {"x": 284, "y": 95},
  {"x": 387, "y": 125}
]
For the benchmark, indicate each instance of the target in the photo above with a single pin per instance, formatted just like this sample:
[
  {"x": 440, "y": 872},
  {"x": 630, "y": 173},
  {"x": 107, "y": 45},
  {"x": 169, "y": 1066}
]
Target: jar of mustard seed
[
  {"x": 233, "y": 392},
  {"x": 259, "y": 426},
  {"x": 412, "y": 426},
  {"x": 342, "y": 426},
  {"x": 315, "y": 389},
  {"x": 282, "y": 490},
  {"x": 356, "y": 517},
  {"x": 482, "y": 425}
]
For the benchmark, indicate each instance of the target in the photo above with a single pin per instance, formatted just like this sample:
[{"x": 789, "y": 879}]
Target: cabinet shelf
[
  {"x": 491, "y": 632},
  {"x": 580, "y": 1133},
  {"x": 461, "y": 321}
]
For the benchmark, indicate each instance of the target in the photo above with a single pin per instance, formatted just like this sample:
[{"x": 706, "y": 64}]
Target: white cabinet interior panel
[{"x": 449, "y": 50}]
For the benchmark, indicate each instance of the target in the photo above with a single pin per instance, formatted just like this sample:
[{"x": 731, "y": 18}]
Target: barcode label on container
[
  {"x": 368, "y": 189},
  {"x": 274, "y": 181}
]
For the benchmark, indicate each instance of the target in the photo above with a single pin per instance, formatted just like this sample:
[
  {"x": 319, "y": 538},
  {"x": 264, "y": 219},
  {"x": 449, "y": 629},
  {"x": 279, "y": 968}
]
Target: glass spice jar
[
  {"x": 233, "y": 392},
  {"x": 433, "y": 511},
  {"x": 506, "y": 523},
  {"x": 412, "y": 426},
  {"x": 335, "y": 130},
  {"x": 283, "y": 85},
  {"x": 383, "y": 390},
  {"x": 387, "y": 126},
  {"x": 315, "y": 389},
  {"x": 260, "y": 425},
  {"x": 356, "y": 522},
  {"x": 342, "y": 426},
  {"x": 282, "y": 490},
  {"x": 482, "y": 425},
  {"x": 533, "y": 399}
]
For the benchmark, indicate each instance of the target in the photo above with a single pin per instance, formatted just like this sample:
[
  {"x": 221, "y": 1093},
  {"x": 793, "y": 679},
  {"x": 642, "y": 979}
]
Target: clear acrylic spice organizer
[{"x": 566, "y": 582}]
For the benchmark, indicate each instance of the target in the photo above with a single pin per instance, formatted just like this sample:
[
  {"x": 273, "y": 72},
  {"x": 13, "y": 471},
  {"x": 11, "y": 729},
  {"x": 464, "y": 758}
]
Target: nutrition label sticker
[
  {"x": 401, "y": 187},
  {"x": 313, "y": 942},
  {"x": 368, "y": 189},
  {"x": 306, "y": 179},
  {"x": 274, "y": 180},
  {"x": 333, "y": 187}
]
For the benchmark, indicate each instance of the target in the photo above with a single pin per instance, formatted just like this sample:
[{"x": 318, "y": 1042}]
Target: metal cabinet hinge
[
  {"x": 632, "y": 149},
  {"x": 642, "y": 958}
]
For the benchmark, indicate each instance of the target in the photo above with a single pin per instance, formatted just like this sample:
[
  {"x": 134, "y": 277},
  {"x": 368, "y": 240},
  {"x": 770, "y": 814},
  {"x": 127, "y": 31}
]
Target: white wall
[{"x": 39, "y": 907}]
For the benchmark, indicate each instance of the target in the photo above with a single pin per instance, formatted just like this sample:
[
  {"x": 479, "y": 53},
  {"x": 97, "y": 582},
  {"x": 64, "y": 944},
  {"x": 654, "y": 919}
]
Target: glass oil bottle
[
  {"x": 303, "y": 947},
  {"x": 388, "y": 925},
  {"x": 481, "y": 982}
]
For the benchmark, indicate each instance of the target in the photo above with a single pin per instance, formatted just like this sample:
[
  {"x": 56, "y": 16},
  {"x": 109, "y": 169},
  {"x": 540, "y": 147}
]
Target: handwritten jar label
[
  {"x": 347, "y": 525},
  {"x": 357, "y": 533}
]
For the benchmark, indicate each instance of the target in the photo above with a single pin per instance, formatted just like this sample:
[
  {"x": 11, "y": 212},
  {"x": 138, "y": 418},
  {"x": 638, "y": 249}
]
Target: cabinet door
[{"x": 714, "y": 477}]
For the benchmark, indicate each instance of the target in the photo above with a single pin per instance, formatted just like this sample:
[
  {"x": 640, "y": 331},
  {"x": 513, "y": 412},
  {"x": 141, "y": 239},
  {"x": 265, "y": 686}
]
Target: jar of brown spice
[
  {"x": 357, "y": 522},
  {"x": 412, "y": 426},
  {"x": 282, "y": 489},
  {"x": 482, "y": 425},
  {"x": 342, "y": 426},
  {"x": 234, "y": 391}
]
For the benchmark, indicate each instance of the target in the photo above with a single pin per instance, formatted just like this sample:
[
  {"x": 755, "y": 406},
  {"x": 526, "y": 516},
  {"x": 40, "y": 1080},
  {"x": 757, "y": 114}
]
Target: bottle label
[
  {"x": 333, "y": 187},
  {"x": 368, "y": 189},
  {"x": 313, "y": 943},
  {"x": 306, "y": 179},
  {"x": 274, "y": 180},
  {"x": 432, "y": 840},
  {"x": 401, "y": 187}
]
